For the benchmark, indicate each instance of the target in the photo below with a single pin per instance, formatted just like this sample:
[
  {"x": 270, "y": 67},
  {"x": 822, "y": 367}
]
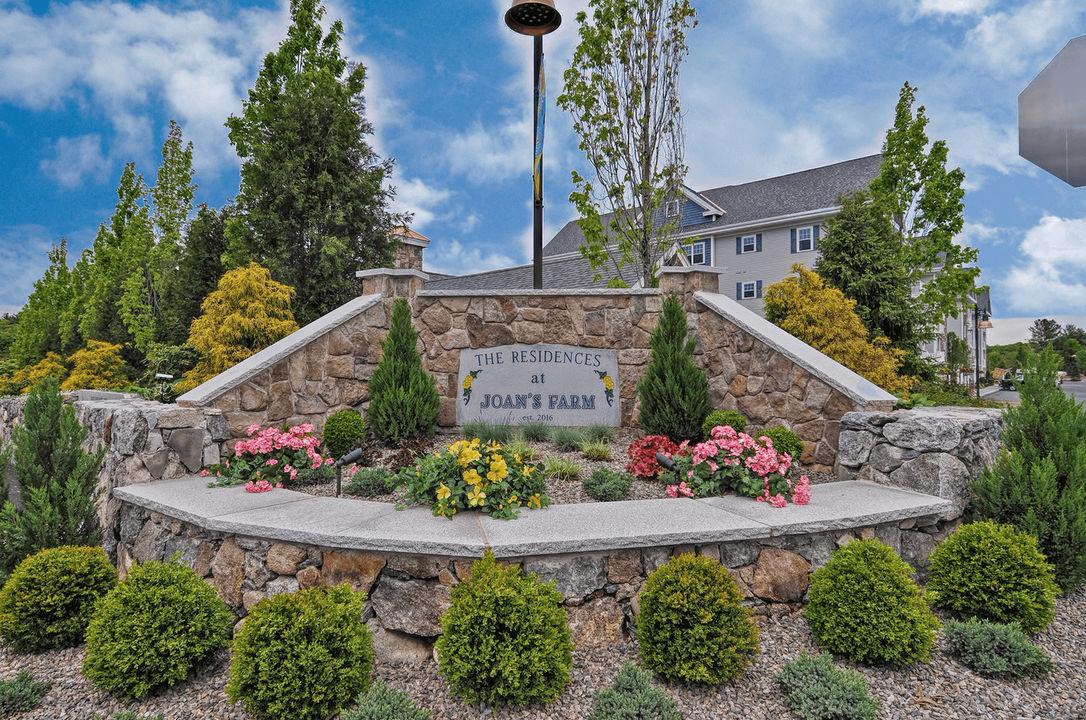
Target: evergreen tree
[
  {"x": 1039, "y": 483},
  {"x": 862, "y": 256},
  {"x": 246, "y": 313},
  {"x": 674, "y": 393},
  {"x": 403, "y": 397},
  {"x": 196, "y": 274},
  {"x": 313, "y": 195},
  {"x": 58, "y": 480},
  {"x": 39, "y": 332}
]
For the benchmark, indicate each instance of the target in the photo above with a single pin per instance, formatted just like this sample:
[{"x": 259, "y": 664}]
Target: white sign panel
[{"x": 551, "y": 384}]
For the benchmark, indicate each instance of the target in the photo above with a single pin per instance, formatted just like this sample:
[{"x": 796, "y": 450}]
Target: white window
[
  {"x": 748, "y": 291},
  {"x": 698, "y": 252},
  {"x": 803, "y": 239},
  {"x": 749, "y": 244},
  {"x": 672, "y": 208}
]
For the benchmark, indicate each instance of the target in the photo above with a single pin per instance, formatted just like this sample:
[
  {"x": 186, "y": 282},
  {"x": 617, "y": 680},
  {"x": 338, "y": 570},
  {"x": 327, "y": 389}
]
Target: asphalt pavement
[{"x": 1077, "y": 389}]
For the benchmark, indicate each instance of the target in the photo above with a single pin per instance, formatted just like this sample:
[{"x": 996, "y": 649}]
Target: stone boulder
[
  {"x": 781, "y": 576},
  {"x": 412, "y": 606},
  {"x": 596, "y": 624}
]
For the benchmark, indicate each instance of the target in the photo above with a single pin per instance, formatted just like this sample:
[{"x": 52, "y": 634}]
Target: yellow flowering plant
[{"x": 470, "y": 475}]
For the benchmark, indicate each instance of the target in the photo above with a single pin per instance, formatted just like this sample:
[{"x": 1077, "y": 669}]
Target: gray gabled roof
[
  {"x": 761, "y": 200},
  {"x": 570, "y": 272}
]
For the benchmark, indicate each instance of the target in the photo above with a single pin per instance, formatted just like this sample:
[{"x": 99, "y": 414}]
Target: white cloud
[
  {"x": 1051, "y": 269},
  {"x": 798, "y": 26},
  {"x": 491, "y": 154},
  {"x": 1011, "y": 42},
  {"x": 453, "y": 258},
  {"x": 976, "y": 235},
  {"x": 415, "y": 196},
  {"x": 24, "y": 255},
  {"x": 74, "y": 158},
  {"x": 1005, "y": 331},
  {"x": 119, "y": 60},
  {"x": 952, "y": 7}
]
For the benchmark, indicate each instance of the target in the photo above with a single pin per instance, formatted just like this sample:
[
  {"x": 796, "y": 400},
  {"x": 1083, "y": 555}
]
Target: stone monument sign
[{"x": 551, "y": 384}]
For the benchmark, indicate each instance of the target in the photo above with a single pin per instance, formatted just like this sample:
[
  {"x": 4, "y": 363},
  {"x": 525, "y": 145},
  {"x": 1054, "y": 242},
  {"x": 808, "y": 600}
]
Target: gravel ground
[{"x": 940, "y": 689}]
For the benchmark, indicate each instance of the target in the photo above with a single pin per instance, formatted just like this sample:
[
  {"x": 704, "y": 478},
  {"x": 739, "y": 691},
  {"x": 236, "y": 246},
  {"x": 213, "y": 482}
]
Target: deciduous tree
[
  {"x": 825, "y": 319},
  {"x": 923, "y": 201},
  {"x": 622, "y": 88},
  {"x": 313, "y": 195}
]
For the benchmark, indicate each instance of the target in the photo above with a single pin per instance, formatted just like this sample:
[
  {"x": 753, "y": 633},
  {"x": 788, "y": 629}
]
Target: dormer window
[{"x": 671, "y": 209}]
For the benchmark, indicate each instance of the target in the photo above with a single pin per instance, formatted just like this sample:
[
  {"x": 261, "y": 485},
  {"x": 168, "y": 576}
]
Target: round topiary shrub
[
  {"x": 341, "y": 430},
  {"x": 993, "y": 572},
  {"x": 723, "y": 417},
  {"x": 863, "y": 605},
  {"x": 692, "y": 625},
  {"x": 504, "y": 640},
  {"x": 303, "y": 655},
  {"x": 149, "y": 631},
  {"x": 607, "y": 485},
  {"x": 784, "y": 441},
  {"x": 49, "y": 599}
]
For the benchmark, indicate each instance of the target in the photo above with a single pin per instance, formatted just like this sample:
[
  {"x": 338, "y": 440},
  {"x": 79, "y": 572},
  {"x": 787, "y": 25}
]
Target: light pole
[
  {"x": 979, "y": 322},
  {"x": 536, "y": 18}
]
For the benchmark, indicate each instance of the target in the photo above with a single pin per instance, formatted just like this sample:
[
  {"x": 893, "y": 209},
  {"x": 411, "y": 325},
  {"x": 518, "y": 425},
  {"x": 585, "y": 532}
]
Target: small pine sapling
[{"x": 403, "y": 396}]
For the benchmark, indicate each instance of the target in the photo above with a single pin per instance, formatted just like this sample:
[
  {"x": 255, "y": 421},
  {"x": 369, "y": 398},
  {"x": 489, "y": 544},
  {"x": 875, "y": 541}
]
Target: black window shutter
[
  {"x": 793, "y": 241},
  {"x": 758, "y": 289},
  {"x": 739, "y": 291},
  {"x": 739, "y": 246},
  {"x": 758, "y": 242},
  {"x": 814, "y": 244}
]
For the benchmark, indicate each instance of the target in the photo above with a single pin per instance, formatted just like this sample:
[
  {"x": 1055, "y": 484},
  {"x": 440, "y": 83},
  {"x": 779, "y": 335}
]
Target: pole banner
[{"x": 540, "y": 116}]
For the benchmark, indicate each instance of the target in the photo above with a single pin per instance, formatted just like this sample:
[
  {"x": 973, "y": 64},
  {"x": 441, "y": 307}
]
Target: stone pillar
[
  {"x": 392, "y": 283},
  {"x": 685, "y": 281}
]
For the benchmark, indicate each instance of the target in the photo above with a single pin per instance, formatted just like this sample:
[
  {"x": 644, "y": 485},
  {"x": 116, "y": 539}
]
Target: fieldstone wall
[
  {"x": 146, "y": 441},
  {"x": 935, "y": 451},
  {"x": 325, "y": 367},
  {"x": 409, "y": 593}
]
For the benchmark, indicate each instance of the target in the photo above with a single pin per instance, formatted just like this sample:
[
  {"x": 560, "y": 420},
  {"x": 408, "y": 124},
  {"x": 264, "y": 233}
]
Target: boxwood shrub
[
  {"x": 692, "y": 626},
  {"x": 863, "y": 605},
  {"x": 993, "y": 572},
  {"x": 149, "y": 631},
  {"x": 504, "y": 640},
  {"x": 49, "y": 599},
  {"x": 303, "y": 655}
]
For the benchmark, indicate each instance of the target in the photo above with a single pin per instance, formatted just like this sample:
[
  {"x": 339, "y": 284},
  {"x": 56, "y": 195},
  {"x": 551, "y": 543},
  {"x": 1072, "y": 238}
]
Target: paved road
[{"x": 1078, "y": 389}]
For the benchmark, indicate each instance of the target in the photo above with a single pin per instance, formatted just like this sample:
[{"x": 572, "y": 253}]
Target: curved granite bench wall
[{"x": 250, "y": 546}]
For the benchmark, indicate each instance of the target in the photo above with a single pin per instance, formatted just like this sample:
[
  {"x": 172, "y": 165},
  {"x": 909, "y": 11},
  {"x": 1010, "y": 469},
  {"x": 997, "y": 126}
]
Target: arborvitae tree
[
  {"x": 674, "y": 393},
  {"x": 1039, "y": 483},
  {"x": 58, "y": 480},
  {"x": 403, "y": 397},
  {"x": 247, "y": 312}
]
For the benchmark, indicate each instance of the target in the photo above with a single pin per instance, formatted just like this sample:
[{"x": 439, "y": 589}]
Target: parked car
[{"x": 1012, "y": 377}]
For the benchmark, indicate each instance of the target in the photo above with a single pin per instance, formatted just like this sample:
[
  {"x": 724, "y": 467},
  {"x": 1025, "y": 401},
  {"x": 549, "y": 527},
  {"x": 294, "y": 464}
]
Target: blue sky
[{"x": 770, "y": 87}]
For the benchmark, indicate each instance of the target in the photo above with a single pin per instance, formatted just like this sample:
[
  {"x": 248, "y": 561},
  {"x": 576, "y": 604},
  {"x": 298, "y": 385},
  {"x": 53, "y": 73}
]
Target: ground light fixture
[{"x": 536, "y": 18}]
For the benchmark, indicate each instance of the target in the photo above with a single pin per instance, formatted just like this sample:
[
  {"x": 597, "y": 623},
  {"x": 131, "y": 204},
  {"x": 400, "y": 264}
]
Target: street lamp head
[
  {"x": 533, "y": 17},
  {"x": 985, "y": 323}
]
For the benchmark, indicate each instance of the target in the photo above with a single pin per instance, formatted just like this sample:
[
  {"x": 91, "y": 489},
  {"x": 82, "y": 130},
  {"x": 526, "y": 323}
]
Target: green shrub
[
  {"x": 368, "y": 482},
  {"x": 341, "y": 431},
  {"x": 561, "y": 469},
  {"x": 994, "y": 572},
  {"x": 784, "y": 441},
  {"x": 49, "y": 599},
  {"x": 536, "y": 432},
  {"x": 723, "y": 417},
  {"x": 566, "y": 438},
  {"x": 674, "y": 393},
  {"x": 595, "y": 449},
  {"x": 996, "y": 649},
  {"x": 403, "y": 397},
  {"x": 605, "y": 433},
  {"x": 381, "y": 702},
  {"x": 487, "y": 432},
  {"x": 21, "y": 694},
  {"x": 1039, "y": 483},
  {"x": 863, "y": 605},
  {"x": 504, "y": 640},
  {"x": 632, "y": 697},
  {"x": 816, "y": 689},
  {"x": 607, "y": 485},
  {"x": 692, "y": 625},
  {"x": 149, "y": 631},
  {"x": 302, "y": 655},
  {"x": 58, "y": 480}
]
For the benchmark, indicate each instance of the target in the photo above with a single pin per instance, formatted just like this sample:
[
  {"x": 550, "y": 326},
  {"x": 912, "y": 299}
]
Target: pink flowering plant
[
  {"x": 642, "y": 454},
  {"x": 731, "y": 460},
  {"x": 270, "y": 457}
]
